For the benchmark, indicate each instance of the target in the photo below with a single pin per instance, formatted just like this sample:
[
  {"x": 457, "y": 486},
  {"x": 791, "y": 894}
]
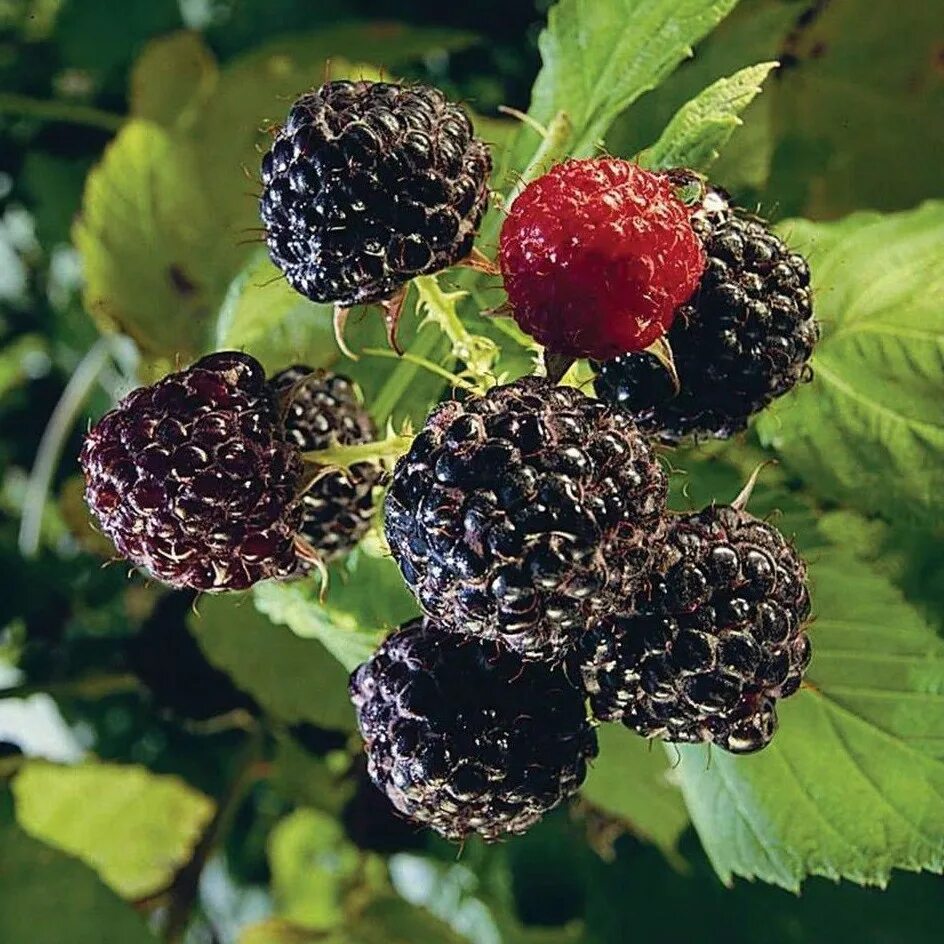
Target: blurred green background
[{"x": 300, "y": 848}]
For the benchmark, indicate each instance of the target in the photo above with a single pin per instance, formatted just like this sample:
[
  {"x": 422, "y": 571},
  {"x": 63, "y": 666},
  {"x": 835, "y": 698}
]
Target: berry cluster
[
  {"x": 742, "y": 340},
  {"x": 529, "y": 521},
  {"x": 199, "y": 478}
]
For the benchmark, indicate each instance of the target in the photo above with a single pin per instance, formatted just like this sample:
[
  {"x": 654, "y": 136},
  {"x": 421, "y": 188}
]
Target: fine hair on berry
[
  {"x": 744, "y": 339},
  {"x": 521, "y": 514},
  {"x": 191, "y": 477},
  {"x": 369, "y": 184},
  {"x": 597, "y": 255},
  {"x": 719, "y": 639},
  {"x": 464, "y": 737}
]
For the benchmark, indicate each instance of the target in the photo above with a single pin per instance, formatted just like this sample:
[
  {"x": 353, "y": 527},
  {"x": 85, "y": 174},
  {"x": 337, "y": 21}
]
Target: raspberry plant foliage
[{"x": 851, "y": 786}]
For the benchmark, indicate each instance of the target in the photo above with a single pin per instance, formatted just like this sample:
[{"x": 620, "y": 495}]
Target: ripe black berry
[
  {"x": 369, "y": 184},
  {"x": 321, "y": 409},
  {"x": 522, "y": 514},
  {"x": 465, "y": 737},
  {"x": 191, "y": 478},
  {"x": 743, "y": 339},
  {"x": 720, "y": 638}
]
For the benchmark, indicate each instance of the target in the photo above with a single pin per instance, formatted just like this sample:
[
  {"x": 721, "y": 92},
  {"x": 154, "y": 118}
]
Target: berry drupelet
[
  {"x": 321, "y": 409},
  {"x": 369, "y": 184},
  {"x": 192, "y": 480},
  {"x": 522, "y": 514},
  {"x": 720, "y": 639},
  {"x": 466, "y": 738},
  {"x": 743, "y": 339}
]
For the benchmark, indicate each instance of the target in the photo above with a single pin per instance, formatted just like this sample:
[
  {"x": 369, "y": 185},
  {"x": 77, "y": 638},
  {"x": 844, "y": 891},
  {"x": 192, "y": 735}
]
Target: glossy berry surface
[
  {"x": 597, "y": 255},
  {"x": 192, "y": 480},
  {"x": 521, "y": 514},
  {"x": 466, "y": 738},
  {"x": 719, "y": 640},
  {"x": 369, "y": 184},
  {"x": 320, "y": 409},
  {"x": 744, "y": 339}
]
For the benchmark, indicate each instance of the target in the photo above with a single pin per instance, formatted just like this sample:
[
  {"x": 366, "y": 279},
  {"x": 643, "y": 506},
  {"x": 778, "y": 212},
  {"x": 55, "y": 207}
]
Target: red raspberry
[{"x": 597, "y": 255}]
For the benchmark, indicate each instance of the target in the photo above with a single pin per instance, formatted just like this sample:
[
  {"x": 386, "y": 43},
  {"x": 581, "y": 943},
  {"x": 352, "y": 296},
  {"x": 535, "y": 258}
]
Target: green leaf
[
  {"x": 366, "y": 597},
  {"x": 598, "y": 58},
  {"x": 48, "y": 897},
  {"x": 390, "y": 920},
  {"x": 755, "y": 31},
  {"x": 869, "y": 430},
  {"x": 700, "y": 129},
  {"x": 264, "y": 316},
  {"x": 312, "y": 863},
  {"x": 134, "y": 828},
  {"x": 853, "y": 784},
  {"x": 293, "y": 679},
  {"x": 632, "y": 782},
  {"x": 155, "y": 262},
  {"x": 172, "y": 80}
]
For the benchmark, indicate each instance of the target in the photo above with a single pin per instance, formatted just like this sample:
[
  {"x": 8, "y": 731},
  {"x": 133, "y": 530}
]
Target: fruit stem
[
  {"x": 385, "y": 451},
  {"x": 477, "y": 352},
  {"x": 400, "y": 380},
  {"x": 423, "y": 362}
]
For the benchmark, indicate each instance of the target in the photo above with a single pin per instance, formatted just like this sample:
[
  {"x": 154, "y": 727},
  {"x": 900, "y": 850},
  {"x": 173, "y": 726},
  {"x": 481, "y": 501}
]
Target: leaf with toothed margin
[
  {"x": 700, "y": 129},
  {"x": 868, "y": 430},
  {"x": 852, "y": 785},
  {"x": 598, "y": 58}
]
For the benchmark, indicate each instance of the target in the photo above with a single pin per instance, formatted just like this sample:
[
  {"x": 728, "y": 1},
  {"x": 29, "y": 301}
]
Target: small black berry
[
  {"x": 523, "y": 514},
  {"x": 719, "y": 639},
  {"x": 464, "y": 737},
  {"x": 321, "y": 409},
  {"x": 369, "y": 184}
]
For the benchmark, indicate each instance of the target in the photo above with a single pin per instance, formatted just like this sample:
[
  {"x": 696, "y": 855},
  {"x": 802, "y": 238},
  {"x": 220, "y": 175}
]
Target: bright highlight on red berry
[{"x": 597, "y": 255}]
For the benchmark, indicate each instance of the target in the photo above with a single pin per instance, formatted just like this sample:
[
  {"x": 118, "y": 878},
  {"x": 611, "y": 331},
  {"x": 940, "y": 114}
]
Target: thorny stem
[
  {"x": 382, "y": 450},
  {"x": 426, "y": 364},
  {"x": 478, "y": 353},
  {"x": 11, "y": 103},
  {"x": 399, "y": 381}
]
